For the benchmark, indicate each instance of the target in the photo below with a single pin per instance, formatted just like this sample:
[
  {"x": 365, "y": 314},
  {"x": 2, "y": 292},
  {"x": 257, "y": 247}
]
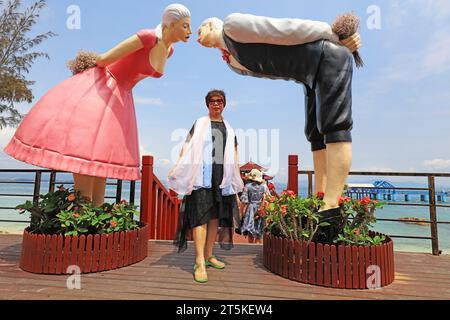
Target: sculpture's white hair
[
  {"x": 216, "y": 23},
  {"x": 172, "y": 13}
]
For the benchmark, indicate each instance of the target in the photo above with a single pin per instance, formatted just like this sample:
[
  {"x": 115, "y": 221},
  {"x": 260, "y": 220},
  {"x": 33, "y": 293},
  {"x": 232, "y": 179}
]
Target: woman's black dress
[{"x": 203, "y": 205}]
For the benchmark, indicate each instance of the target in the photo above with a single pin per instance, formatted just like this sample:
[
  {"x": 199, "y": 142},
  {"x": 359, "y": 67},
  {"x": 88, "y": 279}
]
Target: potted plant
[
  {"x": 67, "y": 230},
  {"x": 358, "y": 258}
]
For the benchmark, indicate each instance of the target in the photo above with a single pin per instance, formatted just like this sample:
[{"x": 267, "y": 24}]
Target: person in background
[
  {"x": 252, "y": 197},
  {"x": 272, "y": 190}
]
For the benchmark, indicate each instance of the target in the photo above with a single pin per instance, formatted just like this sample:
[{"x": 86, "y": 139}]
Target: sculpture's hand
[
  {"x": 353, "y": 43},
  {"x": 225, "y": 55}
]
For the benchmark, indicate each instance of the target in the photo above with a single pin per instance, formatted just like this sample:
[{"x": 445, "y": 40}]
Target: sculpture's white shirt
[{"x": 248, "y": 28}]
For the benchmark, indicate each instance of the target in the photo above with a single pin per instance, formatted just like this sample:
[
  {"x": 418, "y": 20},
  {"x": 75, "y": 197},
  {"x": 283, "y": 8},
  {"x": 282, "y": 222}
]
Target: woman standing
[
  {"x": 87, "y": 124},
  {"x": 252, "y": 197},
  {"x": 207, "y": 173}
]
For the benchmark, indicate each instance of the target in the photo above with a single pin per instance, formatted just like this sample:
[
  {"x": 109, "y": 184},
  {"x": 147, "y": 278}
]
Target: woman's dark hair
[{"x": 213, "y": 93}]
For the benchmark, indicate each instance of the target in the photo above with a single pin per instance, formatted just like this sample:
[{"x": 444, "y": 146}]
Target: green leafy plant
[
  {"x": 292, "y": 217},
  {"x": 44, "y": 218},
  {"x": 66, "y": 212},
  {"x": 359, "y": 217},
  {"x": 297, "y": 218}
]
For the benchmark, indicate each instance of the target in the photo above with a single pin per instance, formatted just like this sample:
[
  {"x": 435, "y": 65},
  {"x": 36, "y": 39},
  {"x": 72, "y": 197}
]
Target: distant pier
[{"x": 382, "y": 190}]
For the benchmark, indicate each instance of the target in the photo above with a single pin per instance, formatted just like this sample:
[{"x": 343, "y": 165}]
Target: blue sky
[{"x": 401, "y": 99}]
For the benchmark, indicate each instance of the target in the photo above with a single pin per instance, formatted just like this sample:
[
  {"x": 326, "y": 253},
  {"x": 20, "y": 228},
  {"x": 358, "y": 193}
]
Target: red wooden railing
[
  {"x": 294, "y": 172},
  {"x": 160, "y": 207}
]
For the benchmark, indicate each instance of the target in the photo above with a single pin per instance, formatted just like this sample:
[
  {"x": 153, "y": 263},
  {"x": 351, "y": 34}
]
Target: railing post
[
  {"x": 132, "y": 191},
  {"x": 433, "y": 218},
  {"x": 37, "y": 187},
  {"x": 119, "y": 191},
  {"x": 147, "y": 193},
  {"x": 36, "y": 194},
  {"x": 175, "y": 213},
  {"x": 51, "y": 184},
  {"x": 293, "y": 174},
  {"x": 310, "y": 184}
]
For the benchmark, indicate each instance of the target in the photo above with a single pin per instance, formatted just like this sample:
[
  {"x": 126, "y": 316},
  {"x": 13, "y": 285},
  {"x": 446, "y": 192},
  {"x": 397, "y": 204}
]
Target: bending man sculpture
[{"x": 310, "y": 53}]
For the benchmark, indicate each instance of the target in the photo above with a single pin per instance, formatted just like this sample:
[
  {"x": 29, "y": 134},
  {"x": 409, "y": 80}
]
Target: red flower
[
  {"x": 284, "y": 209},
  {"x": 271, "y": 199},
  {"x": 113, "y": 224},
  {"x": 71, "y": 197},
  {"x": 268, "y": 221},
  {"x": 289, "y": 193},
  {"x": 357, "y": 232},
  {"x": 76, "y": 215},
  {"x": 124, "y": 202},
  {"x": 344, "y": 199},
  {"x": 365, "y": 201},
  {"x": 320, "y": 195}
]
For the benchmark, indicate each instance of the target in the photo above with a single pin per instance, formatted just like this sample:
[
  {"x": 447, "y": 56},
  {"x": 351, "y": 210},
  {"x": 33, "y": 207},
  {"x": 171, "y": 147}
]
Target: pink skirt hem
[{"x": 56, "y": 161}]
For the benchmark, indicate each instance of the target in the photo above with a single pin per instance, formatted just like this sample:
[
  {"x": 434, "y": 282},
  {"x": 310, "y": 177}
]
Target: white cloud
[
  {"x": 148, "y": 101},
  {"x": 373, "y": 169},
  {"x": 5, "y": 136},
  {"x": 240, "y": 103},
  {"x": 437, "y": 164},
  {"x": 437, "y": 9},
  {"x": 401, "y": 10},
  {"x": 414, "y": 66},
  {"x": 144, "y": 152},
  {"x": 163, "y": 162},
  {"x": 417, "y": 44}
]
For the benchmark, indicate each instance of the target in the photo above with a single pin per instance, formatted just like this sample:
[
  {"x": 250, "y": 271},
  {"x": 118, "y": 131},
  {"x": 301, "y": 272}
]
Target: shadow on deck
[{"x": 166, "y": 275}]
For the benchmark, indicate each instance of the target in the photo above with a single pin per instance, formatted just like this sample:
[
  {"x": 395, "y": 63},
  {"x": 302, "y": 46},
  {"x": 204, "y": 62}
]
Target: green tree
[{"x": 17, "y": 56}]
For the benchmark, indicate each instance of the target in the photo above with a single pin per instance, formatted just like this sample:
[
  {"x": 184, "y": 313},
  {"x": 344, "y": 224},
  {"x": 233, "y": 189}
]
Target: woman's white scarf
[{"x": 193, "y": 169}]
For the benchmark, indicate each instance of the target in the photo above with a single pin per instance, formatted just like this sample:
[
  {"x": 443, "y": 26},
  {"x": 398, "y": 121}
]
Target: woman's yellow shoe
[
  {"x": 197, "y": 278},
  {"x": 220, "y": 265}
]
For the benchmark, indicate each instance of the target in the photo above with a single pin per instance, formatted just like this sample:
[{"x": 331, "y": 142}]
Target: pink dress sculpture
[{"x": 87, "y": 124}]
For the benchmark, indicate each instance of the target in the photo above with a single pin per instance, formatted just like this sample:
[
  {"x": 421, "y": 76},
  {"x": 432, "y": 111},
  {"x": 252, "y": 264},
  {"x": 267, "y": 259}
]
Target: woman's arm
[
  {"x": 123, "y": 49},
  {"x": 236, "y": 158}
]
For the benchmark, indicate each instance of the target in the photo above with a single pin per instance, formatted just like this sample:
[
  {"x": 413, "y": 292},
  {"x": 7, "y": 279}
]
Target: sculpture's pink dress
[{"x": 87, "y": 124}]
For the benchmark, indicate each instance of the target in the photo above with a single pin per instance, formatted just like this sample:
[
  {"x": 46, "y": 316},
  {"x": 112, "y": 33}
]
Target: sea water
[{"x": 386, "y": 227}]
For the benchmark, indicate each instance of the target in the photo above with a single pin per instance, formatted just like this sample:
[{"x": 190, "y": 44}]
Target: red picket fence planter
[
  {"x": 53, "y": 254},
  {"x": 344, "y": 267}
]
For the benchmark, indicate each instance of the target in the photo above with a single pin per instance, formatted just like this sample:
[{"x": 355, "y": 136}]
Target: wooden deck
[{"x": 166, "y": 275}]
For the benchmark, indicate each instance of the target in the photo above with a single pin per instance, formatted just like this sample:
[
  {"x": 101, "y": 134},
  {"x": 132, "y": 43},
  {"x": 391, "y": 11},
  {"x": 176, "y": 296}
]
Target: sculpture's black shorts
[
  {"x": 326, "y": 70},
  {"x": 329, "y": 104}
]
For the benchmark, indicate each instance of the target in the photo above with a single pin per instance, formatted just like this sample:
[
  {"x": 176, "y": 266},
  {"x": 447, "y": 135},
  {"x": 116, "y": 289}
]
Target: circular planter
[
  {"x": 54, "y": 254},
  {"x": 344, "y": 267}
]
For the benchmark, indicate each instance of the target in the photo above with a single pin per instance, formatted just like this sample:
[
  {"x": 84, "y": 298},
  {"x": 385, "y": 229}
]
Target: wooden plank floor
[{"x": 166, "y": 275}]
